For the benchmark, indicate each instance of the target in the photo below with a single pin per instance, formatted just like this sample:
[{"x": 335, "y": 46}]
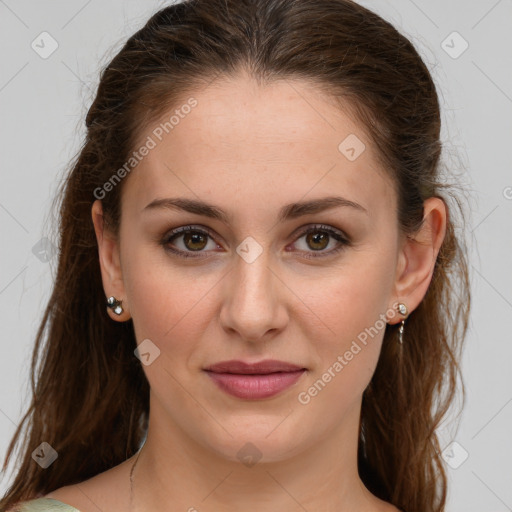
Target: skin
[{"x": 251, "y": 150}]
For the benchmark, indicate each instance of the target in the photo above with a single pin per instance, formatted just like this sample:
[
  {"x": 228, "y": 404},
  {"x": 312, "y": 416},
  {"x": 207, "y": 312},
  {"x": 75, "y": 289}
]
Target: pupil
[
  {"x": 317, "y": 238},
  {"x": 194, "y": 238}
]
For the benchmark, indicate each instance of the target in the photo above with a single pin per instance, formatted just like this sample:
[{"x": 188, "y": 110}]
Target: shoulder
[
  {"x": 43, "y": 505},
  {"x": 108, "y": 491}
]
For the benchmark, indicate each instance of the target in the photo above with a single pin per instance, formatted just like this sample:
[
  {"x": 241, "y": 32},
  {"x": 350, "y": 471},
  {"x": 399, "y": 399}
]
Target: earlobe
[
  {"x": 419, "y": 253},
  {"x": 110, "y": 265}
]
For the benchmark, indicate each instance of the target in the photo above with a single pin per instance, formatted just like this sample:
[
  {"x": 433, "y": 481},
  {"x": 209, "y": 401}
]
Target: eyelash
[{"x": 343, "y": 240}]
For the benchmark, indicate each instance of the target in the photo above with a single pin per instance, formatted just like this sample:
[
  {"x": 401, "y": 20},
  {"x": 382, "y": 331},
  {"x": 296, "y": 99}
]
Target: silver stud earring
[
  {"x": 115, "y": 305},
  {"x": 402, "y": 309}
]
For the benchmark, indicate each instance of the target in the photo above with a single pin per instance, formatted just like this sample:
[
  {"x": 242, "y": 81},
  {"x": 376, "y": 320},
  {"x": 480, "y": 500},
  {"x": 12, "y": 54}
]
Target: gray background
[{"x": 43, "y": 103}]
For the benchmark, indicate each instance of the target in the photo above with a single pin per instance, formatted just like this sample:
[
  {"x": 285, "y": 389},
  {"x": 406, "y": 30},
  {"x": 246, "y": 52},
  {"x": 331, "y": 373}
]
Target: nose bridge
[{"x": 251, "y": 305}]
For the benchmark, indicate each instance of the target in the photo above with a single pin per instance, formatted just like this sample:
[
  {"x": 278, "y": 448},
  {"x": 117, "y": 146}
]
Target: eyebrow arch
[{"x": 288, "y": 212}]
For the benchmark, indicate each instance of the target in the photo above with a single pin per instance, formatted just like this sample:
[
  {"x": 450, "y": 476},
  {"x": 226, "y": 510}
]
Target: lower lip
[{"x": 253, "y": 387}]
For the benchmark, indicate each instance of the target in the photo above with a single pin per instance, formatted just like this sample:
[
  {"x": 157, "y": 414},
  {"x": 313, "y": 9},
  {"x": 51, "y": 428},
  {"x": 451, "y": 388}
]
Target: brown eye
[
  {"x": 318, "y": 238},
  {"x": 195, "y": 241},
  {"x": 186, "y": 240}
]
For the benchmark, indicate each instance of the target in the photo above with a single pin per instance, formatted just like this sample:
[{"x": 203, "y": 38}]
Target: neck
[{"x": 193, "y": 478}]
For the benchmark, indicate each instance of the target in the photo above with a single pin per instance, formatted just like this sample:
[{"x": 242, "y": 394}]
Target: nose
[{"x": 254, "y": 298}]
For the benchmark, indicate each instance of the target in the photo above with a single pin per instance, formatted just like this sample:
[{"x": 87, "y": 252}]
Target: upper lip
[{"x": 261, "y": 367}]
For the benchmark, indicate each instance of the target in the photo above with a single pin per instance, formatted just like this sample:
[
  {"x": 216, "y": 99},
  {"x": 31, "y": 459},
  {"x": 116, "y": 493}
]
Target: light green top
[{"x": 44, "y": 505}]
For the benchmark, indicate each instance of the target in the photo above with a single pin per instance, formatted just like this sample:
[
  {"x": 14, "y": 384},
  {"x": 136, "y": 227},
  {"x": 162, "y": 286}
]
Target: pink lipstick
[{"x": 254, "y": 381}]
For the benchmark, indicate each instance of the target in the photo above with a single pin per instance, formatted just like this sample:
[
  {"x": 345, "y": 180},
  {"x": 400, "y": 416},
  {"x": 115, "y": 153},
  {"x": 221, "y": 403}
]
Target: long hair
[{"x": 90, "y": 397}]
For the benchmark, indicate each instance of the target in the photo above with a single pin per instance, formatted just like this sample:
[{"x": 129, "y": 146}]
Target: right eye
[{"x": 193, "y": 240}]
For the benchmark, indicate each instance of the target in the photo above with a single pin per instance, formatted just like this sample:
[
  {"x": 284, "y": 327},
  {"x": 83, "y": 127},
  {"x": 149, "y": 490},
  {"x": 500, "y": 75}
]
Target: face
[{"x": 254, "y": 286}]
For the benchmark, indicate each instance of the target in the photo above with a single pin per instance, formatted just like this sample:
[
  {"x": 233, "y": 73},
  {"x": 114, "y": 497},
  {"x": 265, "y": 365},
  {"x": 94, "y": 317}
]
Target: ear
[
  {"x": 110, "y": 263},
  {"x": 418, "y": 256}
]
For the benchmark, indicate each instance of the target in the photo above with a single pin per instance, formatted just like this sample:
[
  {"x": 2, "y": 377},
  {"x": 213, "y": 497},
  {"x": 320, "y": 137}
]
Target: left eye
[
  {"x": 196, "y": 240},
  {"x": 318, "y": 238}
]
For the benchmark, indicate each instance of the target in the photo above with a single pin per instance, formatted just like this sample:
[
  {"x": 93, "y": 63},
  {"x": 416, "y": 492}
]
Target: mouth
[
  {"x": 260, "y": 368},
  {"x": 253, "y": 381}
]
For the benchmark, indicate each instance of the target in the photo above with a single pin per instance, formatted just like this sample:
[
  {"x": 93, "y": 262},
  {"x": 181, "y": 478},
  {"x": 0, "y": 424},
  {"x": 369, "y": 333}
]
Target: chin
[{"x": 252, "y": 443}]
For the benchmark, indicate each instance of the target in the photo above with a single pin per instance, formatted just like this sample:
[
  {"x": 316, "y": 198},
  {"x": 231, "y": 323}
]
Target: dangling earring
[
  {"x": 115, "y": 305},
  {"x": 402, "y": 309}
]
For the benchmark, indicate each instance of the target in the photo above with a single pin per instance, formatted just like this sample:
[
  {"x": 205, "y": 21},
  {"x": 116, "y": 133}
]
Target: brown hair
[{"x": 90, "y": 395}]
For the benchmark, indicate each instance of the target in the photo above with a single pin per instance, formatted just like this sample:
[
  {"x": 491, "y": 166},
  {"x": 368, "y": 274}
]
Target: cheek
[
  {"x": 165, "y": 301},
  {"x": 353, "y": 296},
  {"x": 346, "y": 322}
]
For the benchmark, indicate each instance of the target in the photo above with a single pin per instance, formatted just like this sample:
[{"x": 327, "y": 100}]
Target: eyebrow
[{"x": 288, "y": 212}]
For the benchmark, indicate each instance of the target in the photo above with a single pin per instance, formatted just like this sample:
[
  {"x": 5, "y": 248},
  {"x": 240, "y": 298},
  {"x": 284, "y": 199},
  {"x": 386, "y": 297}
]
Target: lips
[
  {"x": 254, "y": 380},
  {"x": 260, "y": 368}
]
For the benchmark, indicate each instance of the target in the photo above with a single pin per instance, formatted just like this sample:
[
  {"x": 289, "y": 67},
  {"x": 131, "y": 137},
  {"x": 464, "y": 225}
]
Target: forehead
[{"x": 244, "y": 142}]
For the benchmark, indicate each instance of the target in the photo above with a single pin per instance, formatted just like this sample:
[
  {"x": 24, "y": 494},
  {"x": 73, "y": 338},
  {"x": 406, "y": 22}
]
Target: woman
[{"x": 261, "y": 299}]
